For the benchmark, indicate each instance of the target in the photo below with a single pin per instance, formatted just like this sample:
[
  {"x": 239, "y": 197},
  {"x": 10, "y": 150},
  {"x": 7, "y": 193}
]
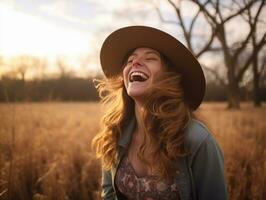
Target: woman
[{"x": 150, "y": 144}]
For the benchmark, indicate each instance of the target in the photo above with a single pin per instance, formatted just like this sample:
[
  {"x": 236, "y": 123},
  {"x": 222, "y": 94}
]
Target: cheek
[
  {"x": 158, "y": 68},
  {"x": 125, "y": 75}
]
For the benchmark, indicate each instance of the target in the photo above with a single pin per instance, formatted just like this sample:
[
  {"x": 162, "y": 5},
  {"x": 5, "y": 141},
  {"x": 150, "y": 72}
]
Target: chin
[
  {"x": 137, "y": 94},
  {"x": 138, "y": 90}
]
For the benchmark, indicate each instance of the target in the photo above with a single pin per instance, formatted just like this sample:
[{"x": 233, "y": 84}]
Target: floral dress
[{"x": 149, "y": 187}]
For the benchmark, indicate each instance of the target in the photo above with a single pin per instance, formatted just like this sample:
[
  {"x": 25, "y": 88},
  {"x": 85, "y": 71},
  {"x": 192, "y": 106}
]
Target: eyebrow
[{"x": 148, "y": 52}]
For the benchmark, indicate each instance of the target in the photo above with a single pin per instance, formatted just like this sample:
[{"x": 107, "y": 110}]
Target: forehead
[{"x": 144, "y": 50}]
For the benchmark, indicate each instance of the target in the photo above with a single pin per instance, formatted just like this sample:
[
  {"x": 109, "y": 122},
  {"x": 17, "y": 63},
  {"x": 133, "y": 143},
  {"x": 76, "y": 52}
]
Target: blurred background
[{"x": 49, "y": 110}]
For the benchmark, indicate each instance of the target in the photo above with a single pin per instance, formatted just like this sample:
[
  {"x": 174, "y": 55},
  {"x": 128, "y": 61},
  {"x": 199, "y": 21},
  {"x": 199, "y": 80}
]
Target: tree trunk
[
  {"x": 256, "y": 89},
  {"x": 233, "y": 96},
  {"x": 233, "y": 93}
]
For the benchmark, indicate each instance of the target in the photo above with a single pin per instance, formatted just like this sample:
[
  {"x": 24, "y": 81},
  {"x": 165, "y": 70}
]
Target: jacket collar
[{"x": 127, "y": 133}]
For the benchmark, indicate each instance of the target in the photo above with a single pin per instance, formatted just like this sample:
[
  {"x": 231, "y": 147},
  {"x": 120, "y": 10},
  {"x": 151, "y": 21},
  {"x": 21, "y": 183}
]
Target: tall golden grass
[{"x": 45, "y": 151}]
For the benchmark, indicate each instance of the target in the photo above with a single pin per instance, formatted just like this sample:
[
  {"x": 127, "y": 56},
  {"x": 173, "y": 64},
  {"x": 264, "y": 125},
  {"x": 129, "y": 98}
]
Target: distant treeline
[
  {"x": 217, "y": 92},
  {"x": 80, "y": 89},
  {"x": 60, "y": 89}
]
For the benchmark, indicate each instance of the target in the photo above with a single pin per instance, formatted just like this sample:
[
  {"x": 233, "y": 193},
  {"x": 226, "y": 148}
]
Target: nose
[{"x": 137, "y": 61}]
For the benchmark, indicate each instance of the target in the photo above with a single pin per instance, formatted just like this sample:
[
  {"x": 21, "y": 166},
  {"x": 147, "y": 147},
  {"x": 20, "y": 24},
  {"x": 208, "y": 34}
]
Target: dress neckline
[{"x": 134, "y": 171}]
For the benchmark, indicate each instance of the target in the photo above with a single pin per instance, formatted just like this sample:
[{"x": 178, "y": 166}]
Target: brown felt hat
[{"x": 119, "y": 43}]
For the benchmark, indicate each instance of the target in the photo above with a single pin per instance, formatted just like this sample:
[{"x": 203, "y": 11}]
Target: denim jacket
[{"x": 201, "y": 174}]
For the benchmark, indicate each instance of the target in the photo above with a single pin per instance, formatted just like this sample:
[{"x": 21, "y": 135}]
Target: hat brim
[{"x": 120, "y": 42}]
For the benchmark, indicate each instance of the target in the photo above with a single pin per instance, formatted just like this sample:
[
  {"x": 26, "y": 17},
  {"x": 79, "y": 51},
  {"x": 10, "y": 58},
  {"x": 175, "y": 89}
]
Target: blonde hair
[
  {"x": 119, "y": 109},
  {"x": 165, "y": 118}
]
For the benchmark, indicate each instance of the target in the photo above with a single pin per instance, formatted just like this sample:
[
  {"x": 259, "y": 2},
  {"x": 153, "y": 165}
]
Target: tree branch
[
  {"x": 192, "y": 23},
  {"x": 216, "y": 25},
  {"x": 216, "y": 74},
  {"x": 182, "y": 24},
  {"x": 162, "y": 18},
  {"x": 252, "y": 27},
  {"x": 207, "y": 45},
  {"x": 255, "y": 52},
  {"x": 217, "y": 9},
  {"x": 240, "y": 11},
  {"x": 202, "y": 7}
]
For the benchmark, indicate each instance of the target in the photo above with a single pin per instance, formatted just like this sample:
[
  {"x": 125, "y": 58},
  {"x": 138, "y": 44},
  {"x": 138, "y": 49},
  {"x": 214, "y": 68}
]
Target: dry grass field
[{"x": 45, "y": 151}]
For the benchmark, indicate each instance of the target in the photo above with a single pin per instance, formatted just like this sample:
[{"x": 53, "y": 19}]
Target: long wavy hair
[{"x": 165, "y": 117}]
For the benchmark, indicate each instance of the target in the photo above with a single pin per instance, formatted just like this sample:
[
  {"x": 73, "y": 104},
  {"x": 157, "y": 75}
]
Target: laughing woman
[{"x": 150, "y": 144}]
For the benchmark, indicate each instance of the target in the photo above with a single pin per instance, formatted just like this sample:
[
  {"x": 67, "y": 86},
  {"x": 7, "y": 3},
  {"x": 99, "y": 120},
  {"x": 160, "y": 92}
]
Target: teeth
[
  {"x": 144, "y": 76},
  {"x": 138, "y": 76}
]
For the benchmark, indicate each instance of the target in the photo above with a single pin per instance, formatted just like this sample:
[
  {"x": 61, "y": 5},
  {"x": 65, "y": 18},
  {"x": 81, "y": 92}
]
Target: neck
[{"x": 138, "y": 114}]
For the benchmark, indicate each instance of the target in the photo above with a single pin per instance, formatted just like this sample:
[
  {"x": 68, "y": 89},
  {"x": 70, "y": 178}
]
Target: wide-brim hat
[{"x": 120, "y": 42}]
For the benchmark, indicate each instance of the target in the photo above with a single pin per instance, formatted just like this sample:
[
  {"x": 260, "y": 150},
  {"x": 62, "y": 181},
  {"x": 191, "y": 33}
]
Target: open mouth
[{"x": 138, "y": 76}]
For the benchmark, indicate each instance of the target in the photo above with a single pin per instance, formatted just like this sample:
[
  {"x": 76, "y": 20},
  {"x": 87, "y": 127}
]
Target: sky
[{"x": 72, "y": 30}]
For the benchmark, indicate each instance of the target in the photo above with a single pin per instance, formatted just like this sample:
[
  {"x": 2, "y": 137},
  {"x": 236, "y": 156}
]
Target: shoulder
[
  {"x": 206, "y": 163},
  {"x": 197, "y": 135}
]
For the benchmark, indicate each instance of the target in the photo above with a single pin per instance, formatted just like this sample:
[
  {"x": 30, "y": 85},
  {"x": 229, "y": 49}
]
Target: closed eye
[
  {"x": 130, "y": 61},
  {"x": 151, "y": 58}
]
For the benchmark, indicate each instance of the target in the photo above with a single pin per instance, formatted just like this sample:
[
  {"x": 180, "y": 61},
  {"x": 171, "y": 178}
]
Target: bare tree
[
  {"x": 63, "y": 67},
  {"x": 253, "y": 22},
  {"x": 218, "y": 15},
  {"x": 188, "y": 30},
  {"x": 218, "y": 21},
  {"x": 22, "y": 65}
]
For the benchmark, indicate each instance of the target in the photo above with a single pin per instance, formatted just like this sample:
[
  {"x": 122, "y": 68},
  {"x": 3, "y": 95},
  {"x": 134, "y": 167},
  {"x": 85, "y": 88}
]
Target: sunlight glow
[{"x": 24, "y": 34}]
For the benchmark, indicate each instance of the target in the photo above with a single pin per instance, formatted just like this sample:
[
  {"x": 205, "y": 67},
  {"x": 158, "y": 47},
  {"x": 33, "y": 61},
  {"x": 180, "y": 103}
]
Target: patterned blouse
[{"x": 149, "y": 187}]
